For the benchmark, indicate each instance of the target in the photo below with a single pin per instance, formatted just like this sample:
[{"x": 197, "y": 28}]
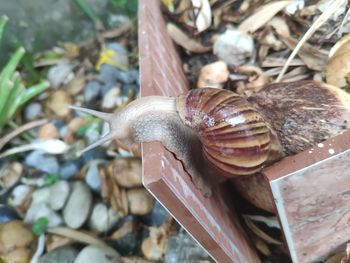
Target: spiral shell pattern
[{"x": 235, "y": 137}]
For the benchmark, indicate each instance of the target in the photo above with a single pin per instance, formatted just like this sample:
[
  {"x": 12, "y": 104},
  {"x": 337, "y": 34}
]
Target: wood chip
[
  {"x": 185, "y": 41},
  {"x": 262, "y": 16}
]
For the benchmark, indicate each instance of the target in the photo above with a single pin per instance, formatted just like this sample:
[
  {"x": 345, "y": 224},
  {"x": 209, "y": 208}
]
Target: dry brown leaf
[
  {"x": 185, "y": 41},
  {"x": 256, "y": 80},
  {"x": 271, "y": 62},
  {"x": 203, "y": 15},
  {"x": 262, "y": 16},
  {"x": 314, "y": 58},
  {"x": 316, "y": 25},
  {"x": 338, "y": 66},
  {"x": 260, "y": 233},
  {"x": 77, "y": 84},
  {"x": 53, "y": 242},
  {"x": 296, "y": 74},
  {"x": 280, "y": 26},
  {"x": 111, "y": 193}
]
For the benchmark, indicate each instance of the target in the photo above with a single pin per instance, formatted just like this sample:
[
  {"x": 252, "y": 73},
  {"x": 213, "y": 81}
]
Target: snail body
[{"x": 233, "y": 136}]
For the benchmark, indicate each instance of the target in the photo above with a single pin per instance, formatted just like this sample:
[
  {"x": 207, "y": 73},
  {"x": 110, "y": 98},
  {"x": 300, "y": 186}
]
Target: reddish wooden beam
[{"x": 211, "y": 221}]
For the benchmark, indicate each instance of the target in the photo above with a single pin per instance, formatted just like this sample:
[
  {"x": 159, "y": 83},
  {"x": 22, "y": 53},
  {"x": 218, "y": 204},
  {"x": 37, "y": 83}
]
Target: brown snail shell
[
  {"x": 303, "y": 114},
  {"x": 235, "y": 138}
]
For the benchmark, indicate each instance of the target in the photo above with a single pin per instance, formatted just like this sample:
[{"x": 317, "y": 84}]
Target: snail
[{"x": 216, "y": 132}]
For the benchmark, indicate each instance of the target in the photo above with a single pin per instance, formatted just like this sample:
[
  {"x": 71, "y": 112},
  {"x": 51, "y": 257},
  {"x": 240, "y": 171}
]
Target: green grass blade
[
  {"x": 12, "y": 100},
  {"x": 33, "y": 91},
  {"x": 11, "y": 66},
  {"x": 3, "y": 21},
  {"x": 87, "y": 10},
  {"x": 6, "y": 75}
]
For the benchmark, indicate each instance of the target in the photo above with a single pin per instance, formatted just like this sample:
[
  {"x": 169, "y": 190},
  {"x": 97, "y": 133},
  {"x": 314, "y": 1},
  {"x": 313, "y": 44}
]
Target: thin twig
[
  {"x": 316, "y": 25},
  {"x": 25, "y": 127}
]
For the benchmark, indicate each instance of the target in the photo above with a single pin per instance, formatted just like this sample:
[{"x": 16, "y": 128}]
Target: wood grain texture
[
  {"x": 312, "y": 194},
  {"x": 211, "y": 221}
]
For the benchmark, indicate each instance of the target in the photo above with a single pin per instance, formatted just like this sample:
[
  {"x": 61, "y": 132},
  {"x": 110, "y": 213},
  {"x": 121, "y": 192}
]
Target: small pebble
[
  {"x": 60, "y": 74},
  {"x": 15, "y": 234},
  {"x": 10, "y": 174},
  {"x": 20, "y": 194},
  {"x": 108, "y": 74},
  {"x": 92, "y": 91},
  {"x": 37, "y": 211},
  {"x": 59, "y": 193},
  {"x": 157, "y": 217},
  {"x": 102, "y": 219},
  {"x": 69, "y": 169},
  {"x": 128, "y": 238},
  {"x": 234, "y": 47},
  {"x": 19, "y": 255},
  {"x": 42, "y": 162},
  {"x": 78, "y": 206},
  {"x": 32, "y": 111},
  {"x": 7, "y": 213},
  {"x": 182, "y": 248},
  {"x": 128, "y": 172},
  {"x": 97, "y": 254},
  {"x": 127, "y": 88},
  {"x": 110, "y": 99},
  {"x": 213, "y": 75},
  {"x": 65, "y": 254},
  {"x": 140, "y": 201},
  {"x": 96, "y": 153},
  {"x": 92, "y": 133},
  {"x": 153, "y": 247},
  {"x": 93, "y": 177},
  {"x": 48, "y": 132},
  {"x": 59, "y": 103},
  {"x": 128, "y": 77}
]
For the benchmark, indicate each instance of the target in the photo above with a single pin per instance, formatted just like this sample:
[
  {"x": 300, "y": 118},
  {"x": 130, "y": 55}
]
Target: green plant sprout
[{"x": 13, "y": 94}]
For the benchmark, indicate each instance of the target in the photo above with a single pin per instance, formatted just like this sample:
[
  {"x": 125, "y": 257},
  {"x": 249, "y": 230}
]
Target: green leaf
[
  {"x": 52, "y": 179},
  {"x": 1, "y": 261},
  {"x": 40, "y": 226}
]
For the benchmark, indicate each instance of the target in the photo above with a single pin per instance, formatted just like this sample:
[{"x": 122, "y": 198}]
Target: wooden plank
[
  {"x": 312, "y": 194},
  {"x": 211, "y": 221}
]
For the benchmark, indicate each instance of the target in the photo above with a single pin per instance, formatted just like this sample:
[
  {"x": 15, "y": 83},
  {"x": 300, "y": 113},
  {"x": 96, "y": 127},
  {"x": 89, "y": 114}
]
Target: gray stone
[
  {"x": 60, "y": 255},
  {"x": 234, "y": 47},
  {"x": 37, "y": 211},
  {"x": 157, "y": 216},
  {"x": 98, "y": 254},
  {"x": 69, "y": 169},
  {"x": 183, "y": 248},
  {"x": 92, "y": 176},
  {"x": 78, "y": 206},
  {"x": 108, "y": 74},
  {"x": 128, "y": 77},
  {"x": 7, "y": 214},
  {"x": 60, "y": 74},
  {"x": 92, "y": 91},
  {"x": 59, "y": 193},
  {"x": 42, "y": 162},
  {"x": 102, "y": 218},
  {"x": 55, "y": 196},
  {"x": 32, "y": 111}
]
